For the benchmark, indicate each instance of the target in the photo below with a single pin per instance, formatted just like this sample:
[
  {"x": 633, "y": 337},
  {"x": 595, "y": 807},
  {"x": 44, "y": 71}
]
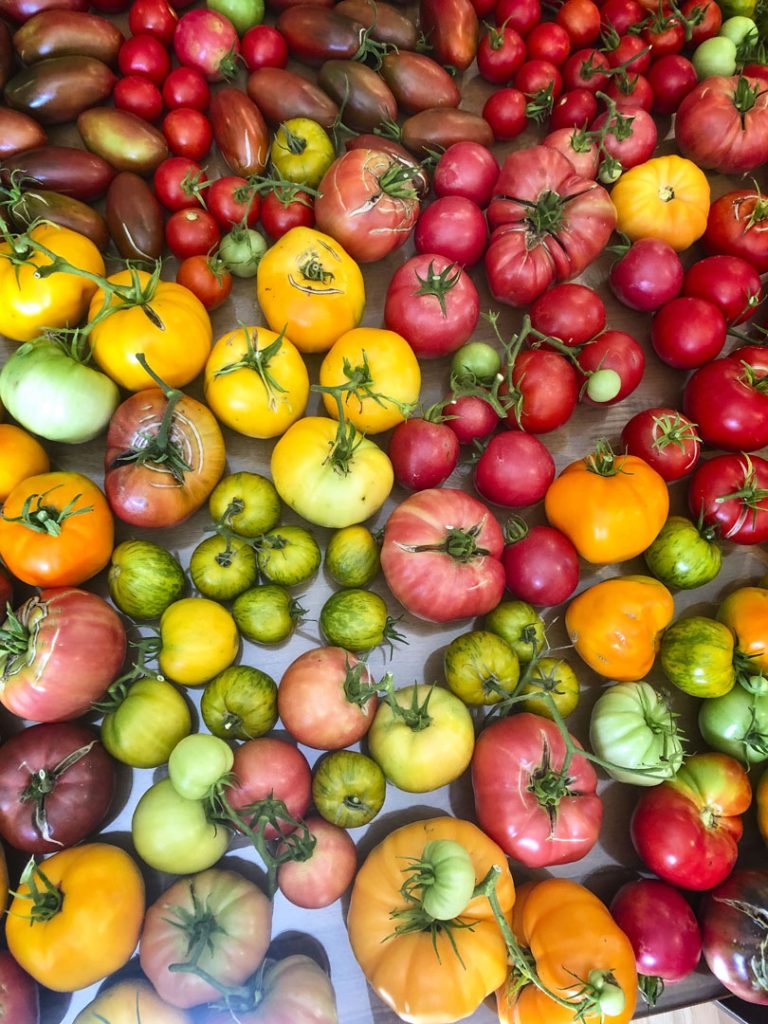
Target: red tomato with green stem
[
  {"x": 621, "y": 15},
  {"x": 138, "y": 96},
  {"x": 630, "y": 92},
  {"x": 188, "y": 133},
  {"x": 207, "y": 41},
  {"x": 471, "y": 416},
  {"x": 191, "y": 233},
  {"x": 540, "y": 391},
  {"x": 326, "y": 874},
  {"x": 548, "y": 41},
  {"x": 665, "y": 36},
  {"x": 730, "y": 492},
  {"x": 423, "y": 452},
  {"x": 537, "y": 77},
  {"x": 631, "y": 53},
  {"x": 144, "y": 55},
  {"x": 728, "y": 399},
  {"x": 586, "y": 69},
  {"x": 572, "y": 313},
  {"x": 500, "y": 53},
  {"x": 207, "y": 278},
  {"x": 269, "y": 768},
  {"x": 579, "y": 147},
  {"x": 186, "y": 87},
  {"x": 179, "y": 183},
  {"x": 581, "y": 20},
  {"x": 576, "y": 108},
  {"x": 263, "y": 47},
  {"x": 541, "y": 565},
  {"x": 706, "y": 19},
  {"x": 616, "y": 351},
  {"x": 671, "y": 78},
  {"x": 729, "y": 282},
  {"x": 629, "y": 138},
  {"x": 665, "y": 438},
  {"x": 153, "y": 18},
  {"x": 514, "y": 470},
  {"x": 738, "y": 226},
  {"x": 232, "y": 201},
  {"x": 688, "y": 332},
  {"x": 279, "y": 213}
]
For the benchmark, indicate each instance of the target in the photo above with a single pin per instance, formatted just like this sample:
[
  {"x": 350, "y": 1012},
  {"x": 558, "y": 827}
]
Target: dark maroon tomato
[
  {"x": 178, "y": 183},
  {"x": 279, "y": 215},
  {"x": 72, "y": 172},
  {"x": 19, "y": 994},
  {"x": 671, "y": 77},
  {"x": 730, "y": 282},
  {"x": 548, "y": 41},
  {"x": 617, "y": 351},
  {"x": 316, "y": 34},
  {"x": 539, "y": 76},
  {"x": 515, "y": 470},
  {"x": 144, "y": 55},
  {"x": 471, "y": 418},
  {"x": 629, "y": 92},
  {"x": 206, "y": 278},
  {"x": 541, "y": 564},
  {"x": 138, "y": 96},
  {"x": 665, "y": 438},
  {"x": 730, "y": 492},
  {"x": 576, "y": 108},
  {"x": 56, "y": 785},
  {"x": 504, "y": 110},
  {"x": 188, "y": 133},
  {"x": 572, "y": 313},
  {"x": 647, "y": 276},
  {"x": 733, "y": 933},
  {"x": 728, "y": 399},
  {"x": 545, "y": 389},
  {"x": 453, "y": 227},
  {"x": 467, "y": 169},
  {"x": 23, "y": 10},
  {"x": 153, "y": 18},
  {"x": 499, "y": 54},
  {"x": 483, "y": 7},
  {"x": 186, "y": 87},
  {"x": 621, "y": 15},
  {"x": 263, "y": 47},
  {"x": 191, "y": 233},
  {"x": 521, "y": 15},
  {"x": 231, "y": 202},
  {"x": 687, "y": 332},
  {"x": 586, "y": 69},
  {"x": 423, "y": 453}
]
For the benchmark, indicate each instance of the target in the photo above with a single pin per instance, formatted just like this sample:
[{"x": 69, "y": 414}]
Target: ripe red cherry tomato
[
  {"x": 632, "y": 53},
  {"x": 581, "y": 20},
  {"x": 144, "y": 55},
  {"x": 629, "y": 92},
  {"x": 186, "y": 87},
  {"x": 423, "y": 453},
  {"x": 586, "y": 69},
  {"x": 536, "y": 76},
  {"x": 206, "y": 278},
  {"x": 187, "y": 132},
  {"x": 499, "y": 54},
  {"x": 576, "y": 108},
  {"x": 665, "y": 439},
  {"x": 709, "y": 17},
  {"x": 191, "y": 233},
  {"x": 541, "y": 566},
  {"x": 621, "y": 15},
  {"x": 263, "y": 47},
  {"x": 548, "y": 41},
  {"x": 671, "y": 78},
  {"x": 515, "y": 470},
  {"x": 730, "y": 282},
  {"x": 687, "y": 332},
  {"x": 470, "y": 418},
  {"x": 467, "y": 169},
  {"x": 138, "y": 96},
  {"x": 153, "y": 18},
  {"x": 504, "y": 110},
  {"x": 647, "y": 276},
  {"x": 230, "y": 201},
  {"x": 279, "y": 216},
  {"x": 177, "y": 183},
  {"x": 571, "y": 313},
  {"x": 546, "y": 389},
  {"x": 453, "y": 227},
  {"x": 521, "y": 15}
]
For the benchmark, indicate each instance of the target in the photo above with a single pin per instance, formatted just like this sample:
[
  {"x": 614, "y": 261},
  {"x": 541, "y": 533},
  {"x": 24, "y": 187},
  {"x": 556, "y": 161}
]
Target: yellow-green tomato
[
  {"x": 199, "y": 639},
  {"x": 131, "y": 1002},
  {"x": 697, "y": 656},
  {"x": 352, "y": 556},
  {"x": 348, "y": 788},
  {"x": 144, "y": 579},
  {"x": 302, "y": 151},
  {"x": 267, "y": 614},
  {"x": 173, "y": 834},
  {"x": 481, "y": 668},
  {"x": 520, "y": 625},
  {"x": 288, "y": 555},
  {"x": 240, "y": 703},
  {"x": 550, "y": 681},
  {"x": 147, "y": 724},
  {"x": 246, "y": 502},
  {"x": 197, "y": 763},
  {"x": 426, "y": 743},
  {"x": 223, "y": 567}
]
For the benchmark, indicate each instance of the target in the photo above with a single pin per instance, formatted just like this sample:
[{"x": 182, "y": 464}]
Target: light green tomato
[
  {"x": 715, "y": 57},
  {"x": 738, "y": 29},
  {"x": 147, "y": 724},
  {"x": 453, "y": 879},
  {"x": 243, "y": 14},
  {"x": 222, "y": 568},
  {"x": 144, "y": 579},
  {"x": 246, "y": 502},
  {"x": 173, "y": 834},
  {"x": 197, "y": 763},
  {"x": 633, "y": 729},
  {"x": 520, "y": 625}
]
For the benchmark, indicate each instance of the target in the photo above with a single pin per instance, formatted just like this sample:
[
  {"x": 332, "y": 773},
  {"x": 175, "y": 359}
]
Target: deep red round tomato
[
  {"x": 231, "y": 201},
  {"x": 470, "y": 418},
  {"x": 581, "y": 20},
  {"x": 671, "y": 78},
  {"x": 210, "y": 281},
  {"x": 539, "y": 76},
  {"x": 664, "y": 39},
  {"x": 144, "y": 55},
  {"x": 572, "y": 313},
  {"x": 621, "y": 15},
  {"x": 730, "y": 282},
  {"x": 270, "y": 767},
  {"x": 665, "y": 438},
  {"x": 629, "y": 92},
  {"x": 326, "y": 874},
  {"x": 582, "y": 151},
  {"x": 738, "y": 226},
  {"x": 576, "y": 108},
  {"x": 423, "y": 453},
  {"x": 177, "y": 183},
  {"x": 466, "y": 169},
  {"x": 186, "y": 87},
  {"x": 728, "y": 399},
  {"x": 545, "y": 391},
  {"x": 542, "y": 567},
  {"x": 187, "y": 132},
  {"x": 617, "y": 351},
  {"x": 153, "y": 18},
  {"x": 632, "y": 53},
  {"x": 455, "y": 228},
  {"x": 631, "y": 137},
  {"x": 548, "y": 41},
  {"x": 138, "y": 96},
  {"x": 279, "y": 216},
  {"x": 521, "y": 15},
  {"x": 687, "y": 332},
  {"x": 647, "y": 276},
  {"x": 731, "y": 493},
  {"x": 586, "y": 69},
  {"x": 263, "y": 47},
  {"x": 499, "y": 54},
  {"x": 515, "y": 470},
  {"x": 709, "y": 18},
  {"x": 504, "y": 110},
  {"x": 191, "y": 233}
]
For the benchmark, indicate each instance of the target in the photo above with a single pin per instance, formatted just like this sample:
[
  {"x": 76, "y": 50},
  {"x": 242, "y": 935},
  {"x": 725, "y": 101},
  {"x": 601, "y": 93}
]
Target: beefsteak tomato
[{"x": 722, "y": 124}]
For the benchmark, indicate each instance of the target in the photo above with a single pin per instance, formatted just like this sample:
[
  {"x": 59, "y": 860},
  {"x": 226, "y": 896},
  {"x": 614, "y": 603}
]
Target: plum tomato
[
  {"x": 688, "y": 332},
  {"x": 453, "y": 227},
  {"x": 423, "y": 453},
  {"x": 541, "y": 565},
  {"x": 731, "y": 283},
  {"x": 572, "y": 313},
  {"x": 515, "y": 470},
  {"x": 665, "y": 439},
  {"x": 469, "y": 170},
  {"x": 647, "y": 276}
]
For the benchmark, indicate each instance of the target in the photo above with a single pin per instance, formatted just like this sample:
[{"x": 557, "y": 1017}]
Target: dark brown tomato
[
  {"x": 421, "y": 179},
  {"x": 369, "y": 100},
  {"x": 240, "y": 131},
  {"x": 23, "y": 10},
  {"x": 55, "y": 91},
  {"x": 281, "y": 95},
  {"x": 42, "y": 204},
  {"x": 125, "y": 141},
  {"x": 452, "y": 29},
  {"x": 386, "y": 23},
  {"x": 67, "y": 34},
  {"x": 283, "y": 5},
  {"x": 7, "y": 56},
  {"x": 135, "y": 218},
  {"x": 418, "y": 82},
  {"x": 315, "y": 34},
  {"x": 441, "y": 127},
  {"x": 73, "y": 172},
  {"x": 18, "y": 132}
]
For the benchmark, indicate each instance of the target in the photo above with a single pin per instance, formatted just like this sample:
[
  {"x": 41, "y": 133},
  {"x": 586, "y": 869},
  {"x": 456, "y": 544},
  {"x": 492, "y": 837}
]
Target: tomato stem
[
  {"x": 43, "y": 782},
  {"x": 44, "y": 518},
  {"x": 46, "y": 901},
  {"x": 438, "y": 284},
  {"x": 651, "y": 988},
  {"x": 258, "y": 360}
]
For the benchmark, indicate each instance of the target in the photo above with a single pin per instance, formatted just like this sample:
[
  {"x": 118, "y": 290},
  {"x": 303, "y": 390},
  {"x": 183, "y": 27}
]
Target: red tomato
[
  {"x": 707, "y": 16},
  {"x": 687, "y": 332},
  {"x": 521, "y": 15},
  {"x": 499, "y": 54},
  {"x": 647, "y": 276},
  {"x": 316, "y": 699},
  {"x": 153, "y": 18},
  {"x": 722, "y": 124},
  {"x": 263, "y": 47},
  {"x": 191, "y": 233},
  {"x": 231, "y": 202},
  {"x": 586, "y": 69},
  {"x": 186, "y": 87},
  {"x": 738, "y": 226},
  {"x": 268, "y": 767},
  {"x": 187, "y": 132},
  {"x": 515, "y": 773},
  {"x": 326, "y": 874},
  {"x": 515, "y": 470},
  {"x": 572, "y": 313},
  {"x": 423, "y": 453},
  {"x": 6, "y": 588},
  {"x": 631, "y": 53},
  {"x": 671, "y": 78},
  {"x": 138, "y": 96},
  {"x": 433, "y": 304},
  {"x": 178, "y": 183},
  {"x": 278, "y": 215},
  {"x": 665, "y": 36},
  {"x": 665, "y": 438},
  {"x": 548, "y": 41},
  {"x": 629, "y": 92},
  {"x": 545, "y": 389},
  {"x": 471, "y": 417},
  {"x": 617, "y": 351},
  {"x": 19, "y": 994},
  {"x": 539, "y": 77},
  {"x": 621, "y": 15},
  {"x": 581, "y": 20},
  {"x": 441, "y": 556},
  {"x": 631, "y": 138},
  {"x": 728, "y": 399},
  {"x": 731, "y": 493},
  {"x": 687, "y": 829},
  {"x": 466, "y": 169},
  {"x": 206, "y": 278},
  {"x": 505, "y": 112},
  {"x": 144, "y": 55},
  {"x": 455, "y": 228},
  {"x": 579, "y": 148},
  {"x": 207, "y": 41},
  {"x": 731, "y": 283},
  {"x": 576, "y": 108},
  {"x": 541, "y": 567}
]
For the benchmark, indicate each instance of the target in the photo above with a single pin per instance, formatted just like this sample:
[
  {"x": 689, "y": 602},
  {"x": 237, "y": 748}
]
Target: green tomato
[
  {"x": 348, "y": 788},
  {"x": 737, "y": 724},
  {"x": 356, "y": 620},
  {"x": 633, "y": 729},
  {"x": 302, "y": 151},
  {"x": 450, "y": 879},
  {"x": 481, "y": 668},
  {"x": 521, "y": 626},
  {"x": 682, "y": 555},
  {"x": 603, "y": 385},
  {"x": 247, "y": 503},
  {"x": 197, "y": 763},
  {"x": 173, "y": 834},
  {"x": 352, "y": 556},
  {"x": 738, "y": 29},
  {"x": 734, "y": 8},
  {"x": 55, "y": 396},
  {"x": 266, "y": 614},
  {"x": 240, "y": 703},
  {"x": 144, "y": 579},
  {"x": 476, "y": 361},
  {"x": 243, "y": 14},
  {"x": 241, "y": 250},
  {"x": 715, "y": 56},
  {"x": 697, "y": 656},
  {"x": 288, "y": 555},
  {"x": 556, "y": 678},
  {"x": 147, "y": 724},
  {"x": 424, "y": 744},
  {"x": 222, "y": 568}
]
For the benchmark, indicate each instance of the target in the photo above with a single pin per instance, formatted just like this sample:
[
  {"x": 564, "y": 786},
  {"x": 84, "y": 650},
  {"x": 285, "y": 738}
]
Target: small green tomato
[
  {"x": 603, "y": 385},
  {"x": 452, "y": 882},
  {"x": 197, "y": 763}
]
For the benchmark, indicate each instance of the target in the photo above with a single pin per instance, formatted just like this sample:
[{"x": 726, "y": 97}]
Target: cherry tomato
[
  {"x": 538, "y": 76},
  {"x": 138, "y": 96},
  {"x": 177, "y": 183},
  {"x": 730, "y": 282},
  {"x": 633, "y": 139},
  {"x": 521, "y": 15},
  {"x": 666, "y": 40},
  {"x": 709, "y": 17},
  {"x": 153, "y": 18},
  {"x": 687, "y": 332},
  {"x": 632, "y": 53},
  {"x": 504, "y": 110},
  {"x": 617, "y": 351},
  {"x": 586, "y": 69},
  {"x": 423, "y": 453},
  {"x": 546, "y": 389},
  {"x": 470, "y": 418},
  {"x": 581, "y": 20},
  {"x": 629, "y": 92},
  {"x": 191, "y": 233},
  {"x": 576, "y": 108},
  {"x": 728, "y": 400},
  {"x": 541, "y": 567},
  {"x": 572, "y": 313},
  {"x": 647, "y": 276},
  {"x": 671, "y": 78},
  {"x": 665, "y": 438},
  {"x": 453, "y": 227},
  {"x": 499, "y": 54},
  {"x": 548, "y": 41},
  {"x": 205, "y": 277},
  {"x": 467, "y": 169},
  {"x": 621, "y": 15},
  {"x": 186, "y": 87},
  {"x": 144, "y": 55},
  {"x": 263, "y": 47},
  {"x": 515, "y": 470},
  {"x": 279, "y": 216},
  {"x": 230, "y": 201},
  {"x": 188, "y": 133}
]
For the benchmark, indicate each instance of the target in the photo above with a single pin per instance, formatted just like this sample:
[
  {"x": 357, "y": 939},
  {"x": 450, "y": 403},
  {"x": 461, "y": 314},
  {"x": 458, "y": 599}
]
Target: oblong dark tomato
[
  {"x": 42, "y": 204},
  {"x": 437, "y": 128},
  {"x": 135, "y": 218},
  {"x": 124, "y": 140},
  {"x": 7, "y": 56},
  {"x": 23, "y": 10},
  {"x": 367, "y": 99},
  {"x": 386, "y": 23},
  {"x": 239, "y": 131},
  {"x": 418, "y": 82},
  {"x": 57, "y": 33},
  {"x": 733, "y": 933},
  {"x": 452, "y": 30},
  {"x": 65, "y": 169},
  {"x": 18, "y": 132},
  {"x": 281, "y": 95},
  {"x": 57, "y": 90},
  {"x": 316, "y": 34}
]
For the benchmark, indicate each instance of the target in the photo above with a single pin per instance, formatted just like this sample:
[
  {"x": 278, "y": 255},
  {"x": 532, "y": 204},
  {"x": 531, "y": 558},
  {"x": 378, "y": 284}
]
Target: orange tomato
[
  {"x": 761, "y": 798},
  {"x": 21, "y": 456},
  {"x": 745, "y": 611}
]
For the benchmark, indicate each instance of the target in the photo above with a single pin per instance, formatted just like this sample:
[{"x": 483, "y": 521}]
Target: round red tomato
[
  {"x": 505, "y": 112},
  {"x": 153, "y": 18},
  {"x": 738, "y": 226},
  {"x": 665, "y": 36},
  {"x": 515, "y": 470},
  {"x": 730, "y": 282},
  {"x": 541, "y": 566},
  {"x": 455, "y": 228},
  {"x": 544, "y": 391},
  {"x": 707, "y": 19},
  {"x": 630, "y": 92},
  {"x": 232, "y": 202},
  {"x": 579, "y": 147},
  {"x": 263, "y": 47},
  {"x": 630, "y": 53},
  {"x": 631, "y": 137},
  {"x": 207, "y": 278},
  {"x": 581, "y": 20},
  {"x": 647, "y": 276},
  {"x": 586, "y": 69},
  {"x": 138, "y": 96},
  {"x": 326, "y": 874},
  {"x": 548, "y": 41},
  {"x": 466, "y": 169},
  {"x": 186, "y": 87},
  {"x": 191, "y": 233},
  {"x": 688, "y": 332},
  {"x": 621, "y": 15},
  {"x": 731, "y": 493},
  {"x": 576, "y": 108},
  {"x": 665, "y": 438},
  {"x": 423, "y": 453},
  {"x": 269, "y": 768},
  {"x": 144, "y": 55},
  {"x": 539, "y": 78},
  {"x": 187, "y": 132},
  {"x": 671, "y": 78},
  {"x": 500, "y": 53},
  {"x": 722, "y": 124},
  {"x": 279, "y": 214},
  {"x": 521, "y": 15},
  {"x": 617, "y": 351},
  {"x": 572, "y": 313},
  {"x": 728, "y": 399},
  {"x": 441, "y": 556},
  {"x": 178, "y": 183},
  {"x": 471, "y": 417}
]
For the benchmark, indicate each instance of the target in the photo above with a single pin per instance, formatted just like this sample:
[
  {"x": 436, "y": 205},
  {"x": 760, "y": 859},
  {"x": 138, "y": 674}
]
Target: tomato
[
  {"x": 144, "y": 55},
  {"x": 744, "y": 611},
  {"x": 697, "y": 656},
  {"x": 423, "y": 453},
  {"x": 521, "y": 15},
  {"x": 739, "y": 422},
  {"x": 326, "y": 874},
  {"x": 21, "y": 456},
  {"x": 621, "y": 15},
  {"x": 729, "y": 282},
  {"x": 522, "y": 799},
  {"x": 207, "y": 278},
  {"x": 470, "y": 417},
  {"x": 356, "y": 620},
  {"x": 540, "y": 80},
  {"x": 197, "y": 763},
  {"x": 441, "y": 556},
  {"x": 708, "y": 19},
  {"x": 453, "y": 227},
  {"x": 737, "y": 227},
  {"x": 91, "y": 927},
  {"x": 56, "y": 785},
  {"x": 207, "y": 41},
  {"x": 514, "y": 470},
  {"x": 541, "y": 565},
  {"x": 615, "y": 352},
  {"x": 688, "y": 332},
  {"x": 302, "y": 151},
  {"x": 581, "y": 20},
  {"x": 144, "y": 579},
  {"x": 733, "y": 933},
  {"x": 267, "y": 768},
  {"x": 541, "y": 391},
  {"x": 348, "y": 788},
  {"x": 144, "y": 724},
  {"x": 730, "y": 492},
  {"x": 722, "y": 124},
  {"x": 139, "y": 96},
  {"x": 665, "y": 439},
  {"x": 352, "y": 556},
  {"x": 500, "y": 53},
  {"x": 548, "y": 41},
  {"x": 233, "y": 202},
  {"x": 466, "y": 169},
  {"x": 187, "y": 132},
  {"x": 279, "y": 213},
  {"x": 520, "y": 625},
  {"x": 476, "y": 360},
  {"x": 262, "y": 46},
  {"x": 631, "y": 138},
  {"x": 20, "y": 1000},
  {"x": 127, "y": 999},
  {"x": 240, "y": 703},
  {"x": 153, "y": 17},
  {"x": 186, "y": 87},
  {"x": 687, "y": 829},
  {"x": 665, "y": 36},
  {"x": 236, "y": 918},
  {"x": 267, "y": 614},
  {"x": 223, "y": 567},
  {"x": 199, "y": 639},
  {"x": 173, "y": 834},
  {"x": 671, "y": 78},
  {"x": 191, "y": 232},
  {"x": 647, "y": 276},
  {"x": 736, "y": 724},
  {"x": 178, "y": 183},
  {"x": 683, "y": 555},
  {"x": 572, "y": 313},
  {"x": 481, "y": 668},
  {"x": 247, "y": 503},
  {"x": 551, "y": 681},
  {"x": 630, "y": 92},
  {"x": 575, "y": 108}
]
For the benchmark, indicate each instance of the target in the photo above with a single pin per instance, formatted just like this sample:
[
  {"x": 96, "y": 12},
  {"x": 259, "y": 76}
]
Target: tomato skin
[
  {"x": 581, "y": 20},
  {"x": 732, "y": 937},
  {"x": 187, "y": 132},
  {"x": 711, "y": 129},
  {"x": 466, "y": 169},
  {"x": 153, "y": 17},
  {"x": 572, "y": 313},
  {"x": 621, "y": 15},
  {"x": 515, "y": 470},
  {"x": 548, "y": 41},
  {"x": 631, "y": 93},
  {"x": 455, "y": 228},
  {"x": 737, "y": 519},
  {"x": 263, "y": 47},
  {"x": 665, "y": 439},
  {"x": 266, "y": 766},
  {"x": 177, "y": 181},
  {"x": 737, "y": 226},
  {"x": 575, "y": 108},
  {"x": 521, "y": 15},
  {"x": 542, "y": 567},
  {"x": 279, "y": 217},
  {"x": 618, "y": 351},
  {"x": 738, "y": 420},
  {"x": 210, "y": 283},
  {"x": 647, "y": 276},
  {"x": 586, "y": 69},
  {"x": 638, "y": 146},
  {"x": 661, "y": 926},
  {"x": 19, "y": 998},
  {"x": 207, "y": 41},
  {"x": 326, "y": 874},
  {"x": 144, "y": 55},
  {"x": 139, "y": 96},
  {"x": 504, "y": 110},
  {"x": 671, "y": 77},
  {"x": 537, "y": 76},
  {"x": 191, "y": 232},
  {"x": 470, "y": 417},
  {"x": 688, "y": 332},
  {"x": 423, "y": 454},
  {"x": 549, "y": 387},
  {"x": 500, "y": 53},
  {"x": 729, "y": 282},
  {"x": 21, "y": 456}
]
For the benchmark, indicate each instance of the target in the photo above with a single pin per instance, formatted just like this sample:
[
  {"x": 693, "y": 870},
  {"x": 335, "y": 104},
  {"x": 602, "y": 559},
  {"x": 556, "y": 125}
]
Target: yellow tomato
[
  {"x": 256, "y": 382},
  {"x": 29, "y": 303},
  {"x": 310, "y": 287},
  {"x": 665, "y": 198},
  {"x": 199, "y": 639},
  {"x": 21, "y": 456},
  {"x": 302, "y": 151},
  {"x": 383, "y": 375},
  {"x": 131, "y": 1002},
  {"x": 161, "y": 320}
]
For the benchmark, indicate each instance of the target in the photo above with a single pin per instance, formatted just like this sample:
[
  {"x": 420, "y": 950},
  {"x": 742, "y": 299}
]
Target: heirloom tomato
[
  {"x": 441, "y": 555},
  {"x": 144, "y": 579},
  {"x": 515, "y": 470},
  {"x": 198, "y": 640},
  {"x": 454, "y": 227},
  {"x": 665, "y": 439},
  {"x": 697, "y": 656},
  {"x": 684, "y": 555},
  {"x": 480, "y": 667},
  {"x": 541, "y": 564},
  {"x": 266, "y": 614},
  {"x": 722, "y": 124},
  {"x": 143, "y": 724},
  {"x": 207, "y": 41},
  {"x": 21, "y": 456},
  {"x": 466, "y": 169},
  {"x": 19, "y": 994},
  {"x": 246, "y": 502},
  {"x": 459, "y": 963},
  {"x": 325, "y": 875},
  {"x": 294, "y": 989},
  {"x": 356, "y": 620},
  {"x": 734, "y": 933},
  {"x": 738, "y": 226},
  {"x": 267, "y": 769},
  {"x": 665, "y": 198},
  {"x": 302, "y": 151},
  {"x": 687, "y": 829},
  {"x": 76, "y": 917},
  {"x": 572, "y": 313},
  {"x": 745, "y": 612},
  {"x": 175, "y": 835},
  {"x": 352, "y": 556},
  {"x": 737, "y": 724},
  {"x": 240, "y": 703},
  {"x": 551, "y": 682},
  {"x": 423, "y": 452},
  {"x": 222, "y": 568},
  {"x": 730, "y": 493},
  {"x": 348, "y": 788},
  {"x": 538, "y": 813},
  {"x": 671, "y": 78},
  {"x": 738, "y": 421},
  {"x": 730, "y": 282},
  {"x": 521, "y": 626},
  {"x": 129, "y": 1001}
]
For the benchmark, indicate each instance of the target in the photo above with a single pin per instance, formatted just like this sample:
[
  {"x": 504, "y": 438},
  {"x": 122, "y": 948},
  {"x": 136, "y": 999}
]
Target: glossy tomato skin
[
  {"x": 539, "y": 76},
  {"x": 212, "y": 284},
  {"x": 507, "y": 756},
  {"x": 671, "y": 77},
  {"x": 639, "y": 144},
  {"x": 470, "y": 417},
  {"x": 423, "y": 454},
  {"x": 737, "y": 519},
  {"x": 661, "y": 926},
  {"x": 455, "y": 228},
  {"x": 714, "y": 131},
  {"x": 515, "y": 470},
  {"x": 572, "y": 313},
  {"x": 621, "y": 15},
  {"x": 139, "y": 96},
  {"x": 727, "y": 398},
  {"x": 504, "y": 110},
  {"x": 191, "y": 232},
  {"x": 19, "y": 994},
  {"x": 499, "y": 55},
  {"x": 688, "y": 332},
  {"x": 731, "y": 283},
  {"x": 176, "y": 183},
  {"x": 326, "y": 874},
  {"x": 187, "y": 132},
  {"x": 542, "y": 567},
  {"x": 268, "y": 766},
  {"x": 618, "y": 351},
  {"x": 38, "y": 819},
  {"x": 575, "y": 108},
  {"x": 631, "y": 93},
  {"x": 548, "y": 41},
  {"x": 228, "y": 204},
  {"x": 665, "y": 439},
  {"x": 263, "y": 47},
  {"x": 737, "y": 227},
  {"x": 733, "y": 934},
  {"x": 467, "y": 169},
  {"x": 186, "y": 87},
  {"x": 521, "y": 15},
  {"x": 647, "y": 276},
  {"x": 144, "y": 55},
  {"x": 278, "y": 217},
  {"x": 154, "y": 18},
  {"x": 548, "y": 387},
  {"x": 581, "y": 20}
]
